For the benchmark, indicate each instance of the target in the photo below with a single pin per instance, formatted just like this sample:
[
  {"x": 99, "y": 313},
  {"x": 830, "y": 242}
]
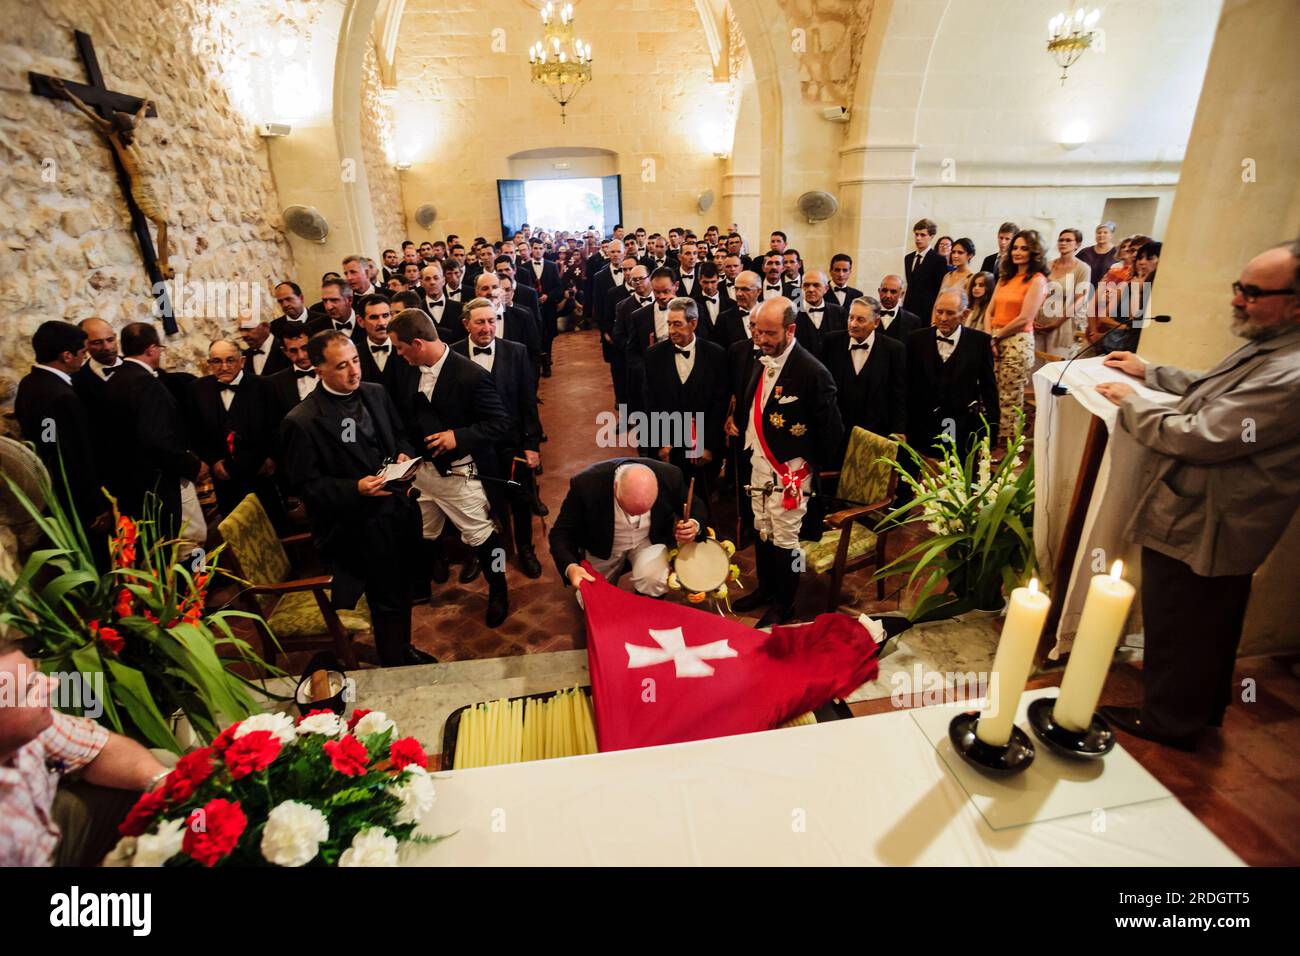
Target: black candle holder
[
  {"x": 1092, "y": 744},
  {"x": 1006, "y": 761}
]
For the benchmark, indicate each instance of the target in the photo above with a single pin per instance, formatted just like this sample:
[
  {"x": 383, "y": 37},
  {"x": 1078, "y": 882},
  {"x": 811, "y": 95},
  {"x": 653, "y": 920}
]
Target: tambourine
[{"x": 702, "y": 569}]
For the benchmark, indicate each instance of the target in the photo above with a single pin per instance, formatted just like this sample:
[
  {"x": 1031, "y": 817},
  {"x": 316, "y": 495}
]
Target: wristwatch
[{"x": 157, "y": 779}]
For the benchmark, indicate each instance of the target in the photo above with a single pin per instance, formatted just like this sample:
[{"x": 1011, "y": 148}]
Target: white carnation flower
[
  {"x": 375, "y": 722},
  {"x": 327, "y": 724},
  {"x": 155, "y": 849},
  {"x": 121, "y": 854},
  {"x": 371, "y": 847},
  {"x": 280, "y": 726},
  {"x": 417, "y": 794},
  {"x": 293, "y": 834}
]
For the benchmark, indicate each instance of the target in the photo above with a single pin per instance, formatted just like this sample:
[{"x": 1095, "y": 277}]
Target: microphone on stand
[{"x": 1059, "y": 389}]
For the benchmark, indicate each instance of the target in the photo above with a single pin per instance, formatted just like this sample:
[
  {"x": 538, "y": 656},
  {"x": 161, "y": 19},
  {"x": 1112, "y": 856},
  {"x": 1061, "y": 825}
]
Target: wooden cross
[{"x": 106, "y": 102}]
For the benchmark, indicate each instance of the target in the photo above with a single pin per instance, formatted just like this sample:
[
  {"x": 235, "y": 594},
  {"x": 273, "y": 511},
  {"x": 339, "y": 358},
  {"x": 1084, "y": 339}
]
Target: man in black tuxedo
[
  {"x": 732, "y": 267},
  {"x": 841, "y": 293},
  {"x": 513, "y": 323},
  {"x": 774, "y": 285},
  {"x": 993, "y": 261},
  {"x": 336, "y": 442},
  {"x": 734, "y": 324},
  {"x": 516, "y": 382},
  {"x": 646, "y": 327},
  {"x": 896, "y": 321},
  {"x": 688, "y": 271},
  {"x": 445, "y": 312},
  {"x": 523, "y": 296},
  {"x": 923, "y": 269},
  {"x": 620, "y": 305},
  {"x": 818, "y": 317},
  {"x": 288, "y": 387},
  {"x": 452, "y": 409},
  {"x": 338, "y": 314},
  {"x": 950, "y": 379},
  {"x": 686, "y": 395},
  {"x": 456, "y": 289},
  {"x": 379, "y": 363},
  {"x": 796, "y": 431},
  {"x": 357, "y": 276},
  {"x": 482, "y": 263},
  {"x": 230, "y": 429},
  {"x": 147, "y": 433},
  {"x": 711, "y": 301},
  {"x": 603, "y": 284},
  {"x": 293, "y": 311},
  {"x": 657, "y": 256},
  {"x": 52, "y": 417},
  {"x": 870, "y": 372},
  {"x": 544, "y": 277},
  {"x": 262, "y": 355},
  {"x": 621, "y": 511},
  {"x": 91, "y": 379},
  {"x": 593, "y": 266}
]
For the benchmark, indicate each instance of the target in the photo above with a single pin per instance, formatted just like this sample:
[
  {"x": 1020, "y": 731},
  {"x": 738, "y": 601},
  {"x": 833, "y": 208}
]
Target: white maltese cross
[{"x": 689, "y": 661}]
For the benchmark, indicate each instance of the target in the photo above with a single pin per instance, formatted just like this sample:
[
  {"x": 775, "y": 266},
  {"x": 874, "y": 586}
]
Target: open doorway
[{"x": 554, "y": 204}]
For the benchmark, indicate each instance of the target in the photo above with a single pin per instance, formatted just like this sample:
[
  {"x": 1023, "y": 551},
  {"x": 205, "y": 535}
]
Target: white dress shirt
[
  {"x": 98, "y": 369},
  {"x": 59, "y": 372},
  {"x": 661, "y": 324},
  {"x": 840, "y": 293},
  {"x": 436, "y": 307},
  {"x": 429, "y": 380},
  {"x": 887, "y": 316},
  {"x": 859, "y": 356},
  {"x": 227, "y": 395},
  {"x": 258, "y": 362},
  {"x": 305, "y": 383},
  {"x": 685, "y": 363},
  {"x": 772, "y": 367},
  {"x": 380, "y": 357},
  {"x": 144, "y": 365},
  {"x": 480, "y": 359},
  {"x": 816, "y": 313},
  {"x": 630, "y": 533},
  {"x": 946, "y": 350},
  {"x": 713, "y": 307}
]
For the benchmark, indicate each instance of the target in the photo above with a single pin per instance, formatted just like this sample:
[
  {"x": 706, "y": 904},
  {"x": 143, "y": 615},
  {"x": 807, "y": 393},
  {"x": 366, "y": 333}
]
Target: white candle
[
  {"x": 1104, "y": 615},
  {"x": 1026, "y": 613}
]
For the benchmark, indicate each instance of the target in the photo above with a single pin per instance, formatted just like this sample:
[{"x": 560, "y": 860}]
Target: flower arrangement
[
  {"x": 138, "y": 634},
  {"x": 720, "y": 592},
  {"x": 321, "y": 792},
  {"x": 980, "y": 518}
]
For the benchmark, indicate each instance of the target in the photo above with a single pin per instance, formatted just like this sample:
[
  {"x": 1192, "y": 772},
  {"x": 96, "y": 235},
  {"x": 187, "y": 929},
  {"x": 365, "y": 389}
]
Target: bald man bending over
[{"x": 621, "y": 510}]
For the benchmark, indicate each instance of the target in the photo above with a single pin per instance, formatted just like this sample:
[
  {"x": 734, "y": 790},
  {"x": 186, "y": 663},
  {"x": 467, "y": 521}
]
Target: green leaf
[{"x": 133, "y": 693}]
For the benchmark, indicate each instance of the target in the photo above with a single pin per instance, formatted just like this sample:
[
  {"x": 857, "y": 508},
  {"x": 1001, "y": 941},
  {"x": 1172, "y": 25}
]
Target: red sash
[{"x": 791, "y": 481}]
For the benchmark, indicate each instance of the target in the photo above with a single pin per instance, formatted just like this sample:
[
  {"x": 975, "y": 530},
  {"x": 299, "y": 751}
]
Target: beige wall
[
  {"x": 464, "y": 108},
  {"x": 69, "y": 252}
]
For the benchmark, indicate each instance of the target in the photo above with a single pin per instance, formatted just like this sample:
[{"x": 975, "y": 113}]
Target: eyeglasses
[
  {"x": 227, "y": 361},
  {"x": 1253, "y": 293}
]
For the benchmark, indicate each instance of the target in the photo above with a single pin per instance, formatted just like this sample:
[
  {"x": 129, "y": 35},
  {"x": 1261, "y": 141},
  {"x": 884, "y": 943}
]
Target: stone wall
[
  {"x": 68, "y": 251},
  {"x": 465, "y": 107},
  {"x": 377, "y": 140}
]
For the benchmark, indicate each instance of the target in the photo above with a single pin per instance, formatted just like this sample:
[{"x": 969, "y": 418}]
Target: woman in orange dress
[{"x": 1021, "y": 289}]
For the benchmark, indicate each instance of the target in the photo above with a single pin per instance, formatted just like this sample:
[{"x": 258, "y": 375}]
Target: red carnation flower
[
  {"x": 224, "y": 739},
  {"x": 141, "y": 816},
  {"x": 356, "y": 716},
  {"x": 110, "y": 638},
  {"x": 252, "y": 752},
  {"x": 348, "y": 755},
  {"x": 212, "y": 831},
  {"x": 190, "y": 771},
  {"x": 407, "y": 751}
]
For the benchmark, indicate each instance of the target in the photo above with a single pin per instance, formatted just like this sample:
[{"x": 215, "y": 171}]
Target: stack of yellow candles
[{"x": 509, "y": 731}]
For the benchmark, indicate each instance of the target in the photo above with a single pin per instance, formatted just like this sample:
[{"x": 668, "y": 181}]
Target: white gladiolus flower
[
  {"x": 417, "y": 794},
  {"x": 155, "y": 849},
  {"x": 293, "y": 834},
  {"x": 280, "y": 726},
  {"x": 327, "y": 724},
  {"x": 375, "y": 722},
  {"x": 371, "y": 847}
]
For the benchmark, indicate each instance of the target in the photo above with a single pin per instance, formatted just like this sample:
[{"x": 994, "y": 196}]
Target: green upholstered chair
[
  {"x": 851, "y": 541},
  {"x": 297, "y": 610}
]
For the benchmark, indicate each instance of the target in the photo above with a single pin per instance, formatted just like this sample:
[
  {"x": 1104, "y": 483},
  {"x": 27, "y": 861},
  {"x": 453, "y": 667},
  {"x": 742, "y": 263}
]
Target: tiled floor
[{"x": 1244, "y": 784}]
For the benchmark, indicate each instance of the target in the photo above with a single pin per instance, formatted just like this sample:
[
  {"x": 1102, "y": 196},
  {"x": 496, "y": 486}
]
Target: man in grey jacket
[{"x": 1219, "y": 481}]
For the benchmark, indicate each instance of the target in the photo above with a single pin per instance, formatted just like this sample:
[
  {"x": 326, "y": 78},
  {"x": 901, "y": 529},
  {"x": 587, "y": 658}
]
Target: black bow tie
[
  {"x": 344, "y": 327},
  {"x": 379, "y": 348},
  {"x": 684, "y": 353},
  {"x": 940, "y": 338},
  {"x": 248, "y": 352},
  {"x": 816, "y": 308},
  {"x": 711, "y": 299},
  {"x": 479, "y": 351},
  {"x": 744, "y": 312},
  {"x": 859, "y": 345},
  {"x": 305, "y": 372},
  {"x": 644, "y": 302},
  {"x": 435, "y": 303},
  {"x": 110, "y": 369},
  {"x": 226, "y": 386}
]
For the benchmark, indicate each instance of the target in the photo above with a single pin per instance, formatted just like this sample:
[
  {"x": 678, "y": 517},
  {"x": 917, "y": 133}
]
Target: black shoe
[
  {"x": 529, "y": 564},
  {"x": 439, "y": 572},
  {"x": 750, "y": 602},
  {"x": 1129, "y": 720},
  {"x": 546, "y": 368},
  {"x": 498, "y": 607},
  {"x": 539, "y": 506},
  {"x": 413, "y": 655},
  {"x": 469, "y": 570},
  {"x": 775, "y": 615}
]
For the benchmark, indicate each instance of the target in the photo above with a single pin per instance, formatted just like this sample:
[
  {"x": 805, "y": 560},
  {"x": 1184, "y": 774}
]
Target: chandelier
[
  {"x": 1069, "y": 34},
  {"x": 560, "y": 63}
]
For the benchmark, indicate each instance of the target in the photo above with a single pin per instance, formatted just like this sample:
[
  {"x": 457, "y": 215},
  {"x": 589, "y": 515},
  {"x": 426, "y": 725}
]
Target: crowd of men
[{"x": 437, "y": 352}]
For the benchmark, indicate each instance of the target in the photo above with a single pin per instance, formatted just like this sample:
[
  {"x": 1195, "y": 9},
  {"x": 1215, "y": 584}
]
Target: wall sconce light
[
  {"x": 721, "y": 154},
  {"x": 272, "y": 130},
  {"x": 402, "y": 166},
  {"x": 1074, "y": 135}
]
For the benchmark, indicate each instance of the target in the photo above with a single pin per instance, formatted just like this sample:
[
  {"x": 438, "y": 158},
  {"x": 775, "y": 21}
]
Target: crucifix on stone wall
[{"x": 117, "y": 117}]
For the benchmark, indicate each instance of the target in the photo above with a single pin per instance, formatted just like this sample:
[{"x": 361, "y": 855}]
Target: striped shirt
[{"x": 28, "y": 781}]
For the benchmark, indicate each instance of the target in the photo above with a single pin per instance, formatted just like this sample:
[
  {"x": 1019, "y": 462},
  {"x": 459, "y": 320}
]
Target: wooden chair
[
  {"x": 851, "y": 540},
  {"x": 297, "y": 611}
]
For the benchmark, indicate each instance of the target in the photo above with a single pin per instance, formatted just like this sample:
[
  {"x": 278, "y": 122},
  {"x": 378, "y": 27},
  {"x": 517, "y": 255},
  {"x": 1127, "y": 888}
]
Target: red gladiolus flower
[
  {"x": 148, "y": 616},
  {"x": 190, "y": 771},
  {"x": 224, "y": 739},
  {"x": 406, "y": 751},
  {"x": 110, "y": 638},
  {"x": 252, "y": 752},
  {"x": 348, "y": 755},
  {"x": 123, "y": 607},
  {"x": 126, "y": 529},
  {"x": 356, "y": 716},
  {"x": 192, "y": 614},
  {"x": 141, "y": 816},
  {"x": 213, "y": 830}
]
